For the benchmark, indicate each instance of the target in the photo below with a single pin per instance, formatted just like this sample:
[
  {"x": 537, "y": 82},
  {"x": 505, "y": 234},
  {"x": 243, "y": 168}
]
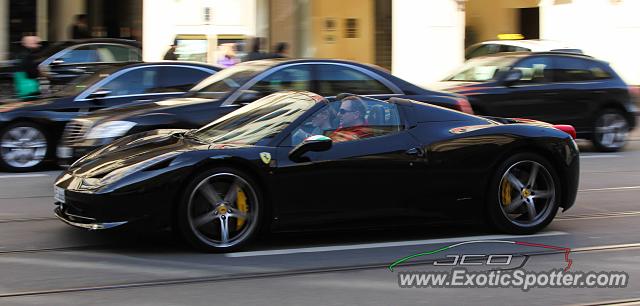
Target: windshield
[
  {"x": 228, "y": 80},
  {"x": 257, "y": 122},
  {"x": 483, "y": 69},
  {"x": 83, "y": 83}
]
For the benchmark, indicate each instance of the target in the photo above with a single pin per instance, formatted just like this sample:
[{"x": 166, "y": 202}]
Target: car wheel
[
  {"x": 523, "y": 195},
  {"x": 220, "y": 210},
  {"x": 610, "y": 131},
  {"x": 23, "y": 147}
]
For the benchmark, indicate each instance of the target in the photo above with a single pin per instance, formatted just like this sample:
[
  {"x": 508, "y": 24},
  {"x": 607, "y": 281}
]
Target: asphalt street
[{"x": 46, "y": 262}]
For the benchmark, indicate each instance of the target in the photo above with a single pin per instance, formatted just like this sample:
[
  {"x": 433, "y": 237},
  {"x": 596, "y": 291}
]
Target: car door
[
  {"x": 175, "y": 81},
  {"x": 291, "y": 77},
  {"x": 534, "y": 96},
  {"x": 71, "y": 63},
  {"x": 356, "y": 182},
  {"x": 127, "y": 85},
  {"x": 579, "y": 92},
  {"x": 333, "y": 79}
]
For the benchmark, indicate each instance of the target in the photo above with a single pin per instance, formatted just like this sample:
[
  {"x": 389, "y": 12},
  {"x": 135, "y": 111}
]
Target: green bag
[{"x": 25, "y": 87}]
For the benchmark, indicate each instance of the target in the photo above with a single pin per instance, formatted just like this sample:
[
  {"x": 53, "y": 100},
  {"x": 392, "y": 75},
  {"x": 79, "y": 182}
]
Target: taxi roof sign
[{"x": 513, "y": 36}]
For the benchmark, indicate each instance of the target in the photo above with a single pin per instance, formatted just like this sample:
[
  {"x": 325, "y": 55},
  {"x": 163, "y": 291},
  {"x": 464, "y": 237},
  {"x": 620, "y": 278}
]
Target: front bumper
[{"x": 84, "y": 222}]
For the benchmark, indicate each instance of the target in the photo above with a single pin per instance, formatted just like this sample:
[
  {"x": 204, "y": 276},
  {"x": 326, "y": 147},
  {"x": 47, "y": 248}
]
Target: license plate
[
  {"x": 65, "y": 152},
  {"x": 58, "y": 194}
]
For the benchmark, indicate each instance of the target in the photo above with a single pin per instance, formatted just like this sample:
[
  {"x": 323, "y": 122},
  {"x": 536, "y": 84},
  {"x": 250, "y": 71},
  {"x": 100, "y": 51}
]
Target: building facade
[{"x": 421, "y": 41}]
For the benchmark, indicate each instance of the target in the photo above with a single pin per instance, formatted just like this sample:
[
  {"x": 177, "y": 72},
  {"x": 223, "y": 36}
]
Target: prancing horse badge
[{"x": 266, "y": 157}]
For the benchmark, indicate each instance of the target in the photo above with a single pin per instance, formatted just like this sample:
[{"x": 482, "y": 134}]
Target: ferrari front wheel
[
  {"x": 220, "y": 210},
  {"x": 524, "y": 194}
]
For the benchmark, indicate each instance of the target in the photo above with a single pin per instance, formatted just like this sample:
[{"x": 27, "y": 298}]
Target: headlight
[{"x": 110, "y": 129}]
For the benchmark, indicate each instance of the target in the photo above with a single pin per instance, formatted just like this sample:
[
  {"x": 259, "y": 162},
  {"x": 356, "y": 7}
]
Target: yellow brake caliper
[
  {"x": 506, "y": 193},
  {"x": 241, "y": 201}
]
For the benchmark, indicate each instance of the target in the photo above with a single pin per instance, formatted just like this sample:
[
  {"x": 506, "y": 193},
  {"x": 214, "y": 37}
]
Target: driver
[{"x": 353, "y": 125}]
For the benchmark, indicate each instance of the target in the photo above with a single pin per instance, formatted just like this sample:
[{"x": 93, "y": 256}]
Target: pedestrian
[
  {"x": 80, "y": 28},
  {"x": 281, "y": 50},
  {"x": 171, "y": 53},
  {"x": 228, "y": 55},
  {"x": 26, "y": 76},
  {"x": 255, "y": 53}
]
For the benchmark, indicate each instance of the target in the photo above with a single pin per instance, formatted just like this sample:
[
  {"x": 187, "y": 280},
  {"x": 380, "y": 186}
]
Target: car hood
[
  {"x": 40, "y": 104},
  {"x": 129, "y": 151},
  {"x": 134, "y": 109}
]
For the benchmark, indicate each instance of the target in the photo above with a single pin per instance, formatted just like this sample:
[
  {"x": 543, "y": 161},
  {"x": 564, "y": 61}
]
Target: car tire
[
  {"x": 513, "y": 205},
  {"x": 24, "y": 146},
  {"x": 213, "y": 218},
  {"x": 610, "y": 130}
]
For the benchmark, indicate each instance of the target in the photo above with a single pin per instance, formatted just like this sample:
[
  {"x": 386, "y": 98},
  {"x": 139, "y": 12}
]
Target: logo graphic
[
  {"x": 266, "y": 157},
  {"x": 522, "y": 243}
]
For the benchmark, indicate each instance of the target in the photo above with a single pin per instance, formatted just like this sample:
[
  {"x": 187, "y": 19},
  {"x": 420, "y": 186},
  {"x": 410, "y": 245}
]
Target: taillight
[
  {"x": 567, "y": 129},
  {"x": 634, "y": 92},
  {"x": 463, "y": 105}
]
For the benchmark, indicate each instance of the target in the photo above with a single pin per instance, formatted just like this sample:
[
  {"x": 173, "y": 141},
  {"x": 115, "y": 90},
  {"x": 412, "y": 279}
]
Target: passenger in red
[{"x": 353, "y": 125}]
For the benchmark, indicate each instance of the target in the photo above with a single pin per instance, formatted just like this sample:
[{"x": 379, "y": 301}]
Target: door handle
[{"x": 415, "y": 152}]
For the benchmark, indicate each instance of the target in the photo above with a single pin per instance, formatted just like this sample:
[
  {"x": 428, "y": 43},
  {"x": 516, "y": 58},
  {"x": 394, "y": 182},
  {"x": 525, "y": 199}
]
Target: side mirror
[
  {"x": 247, "y": 96},
  {"x": 512, "y": 76},
  {"x": 57, "y": 61},
  {"x": 315, "y": 143},
  {"x": 99, "y": 94}
]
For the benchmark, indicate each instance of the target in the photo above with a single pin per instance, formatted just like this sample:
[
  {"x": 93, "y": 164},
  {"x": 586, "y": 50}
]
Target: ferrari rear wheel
[
  {"x": 523, "y": 196},
  {"x": 220, "y": 210}
]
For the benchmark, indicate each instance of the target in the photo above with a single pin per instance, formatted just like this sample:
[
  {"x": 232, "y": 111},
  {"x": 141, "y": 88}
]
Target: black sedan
[
  {"x": 294, "y": 160},
  {"x": 29, "y": 131},
  {"x": 555, "y": 87},
  {"x": 63, "y": 62},
  {"x": 241, "y": 84}
]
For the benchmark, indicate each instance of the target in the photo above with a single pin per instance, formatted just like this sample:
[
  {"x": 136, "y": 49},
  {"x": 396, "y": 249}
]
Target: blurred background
[{"x": 420, "y": 41}]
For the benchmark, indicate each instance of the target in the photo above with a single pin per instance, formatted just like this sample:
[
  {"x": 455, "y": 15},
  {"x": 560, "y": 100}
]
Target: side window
[
  {"x": 351, "y": 119},
  {"x": 291, "y": 78},
  {"x": 484, "y": 50},
  {"x": 576, "y": 70},
  {"x": 179, "y": 79},
  {"x": 84, "y": 54},
  {"x": 115, "y": 53},
  {"x": 134, "y": 82},
  {"x": 337, "y": 79},
  {"x": 535, "y": 70},
  {"x": 509, "y": 48}
]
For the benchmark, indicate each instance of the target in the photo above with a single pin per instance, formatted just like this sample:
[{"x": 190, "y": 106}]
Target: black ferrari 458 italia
[{"x": 297, "y": 161}]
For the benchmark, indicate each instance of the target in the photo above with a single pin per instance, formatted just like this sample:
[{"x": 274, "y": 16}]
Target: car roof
[
  {"x": 173, "y": 63},
  {"x": 532, "y": 44},
  {"x": 273, "y": 62},
  {"x": 129, "y": 42},
  {"x": 547, "y": 53}
]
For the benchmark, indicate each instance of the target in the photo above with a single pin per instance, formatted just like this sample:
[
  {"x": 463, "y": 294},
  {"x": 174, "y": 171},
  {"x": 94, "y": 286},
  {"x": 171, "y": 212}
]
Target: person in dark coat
[
  {"x": 80, "y": 28},
  {"x": 281, "y": 50},
  {"x": 171, "y": 53},
  {"x": 255, "y": 53},
  {"x": 26, "y": 76}
]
